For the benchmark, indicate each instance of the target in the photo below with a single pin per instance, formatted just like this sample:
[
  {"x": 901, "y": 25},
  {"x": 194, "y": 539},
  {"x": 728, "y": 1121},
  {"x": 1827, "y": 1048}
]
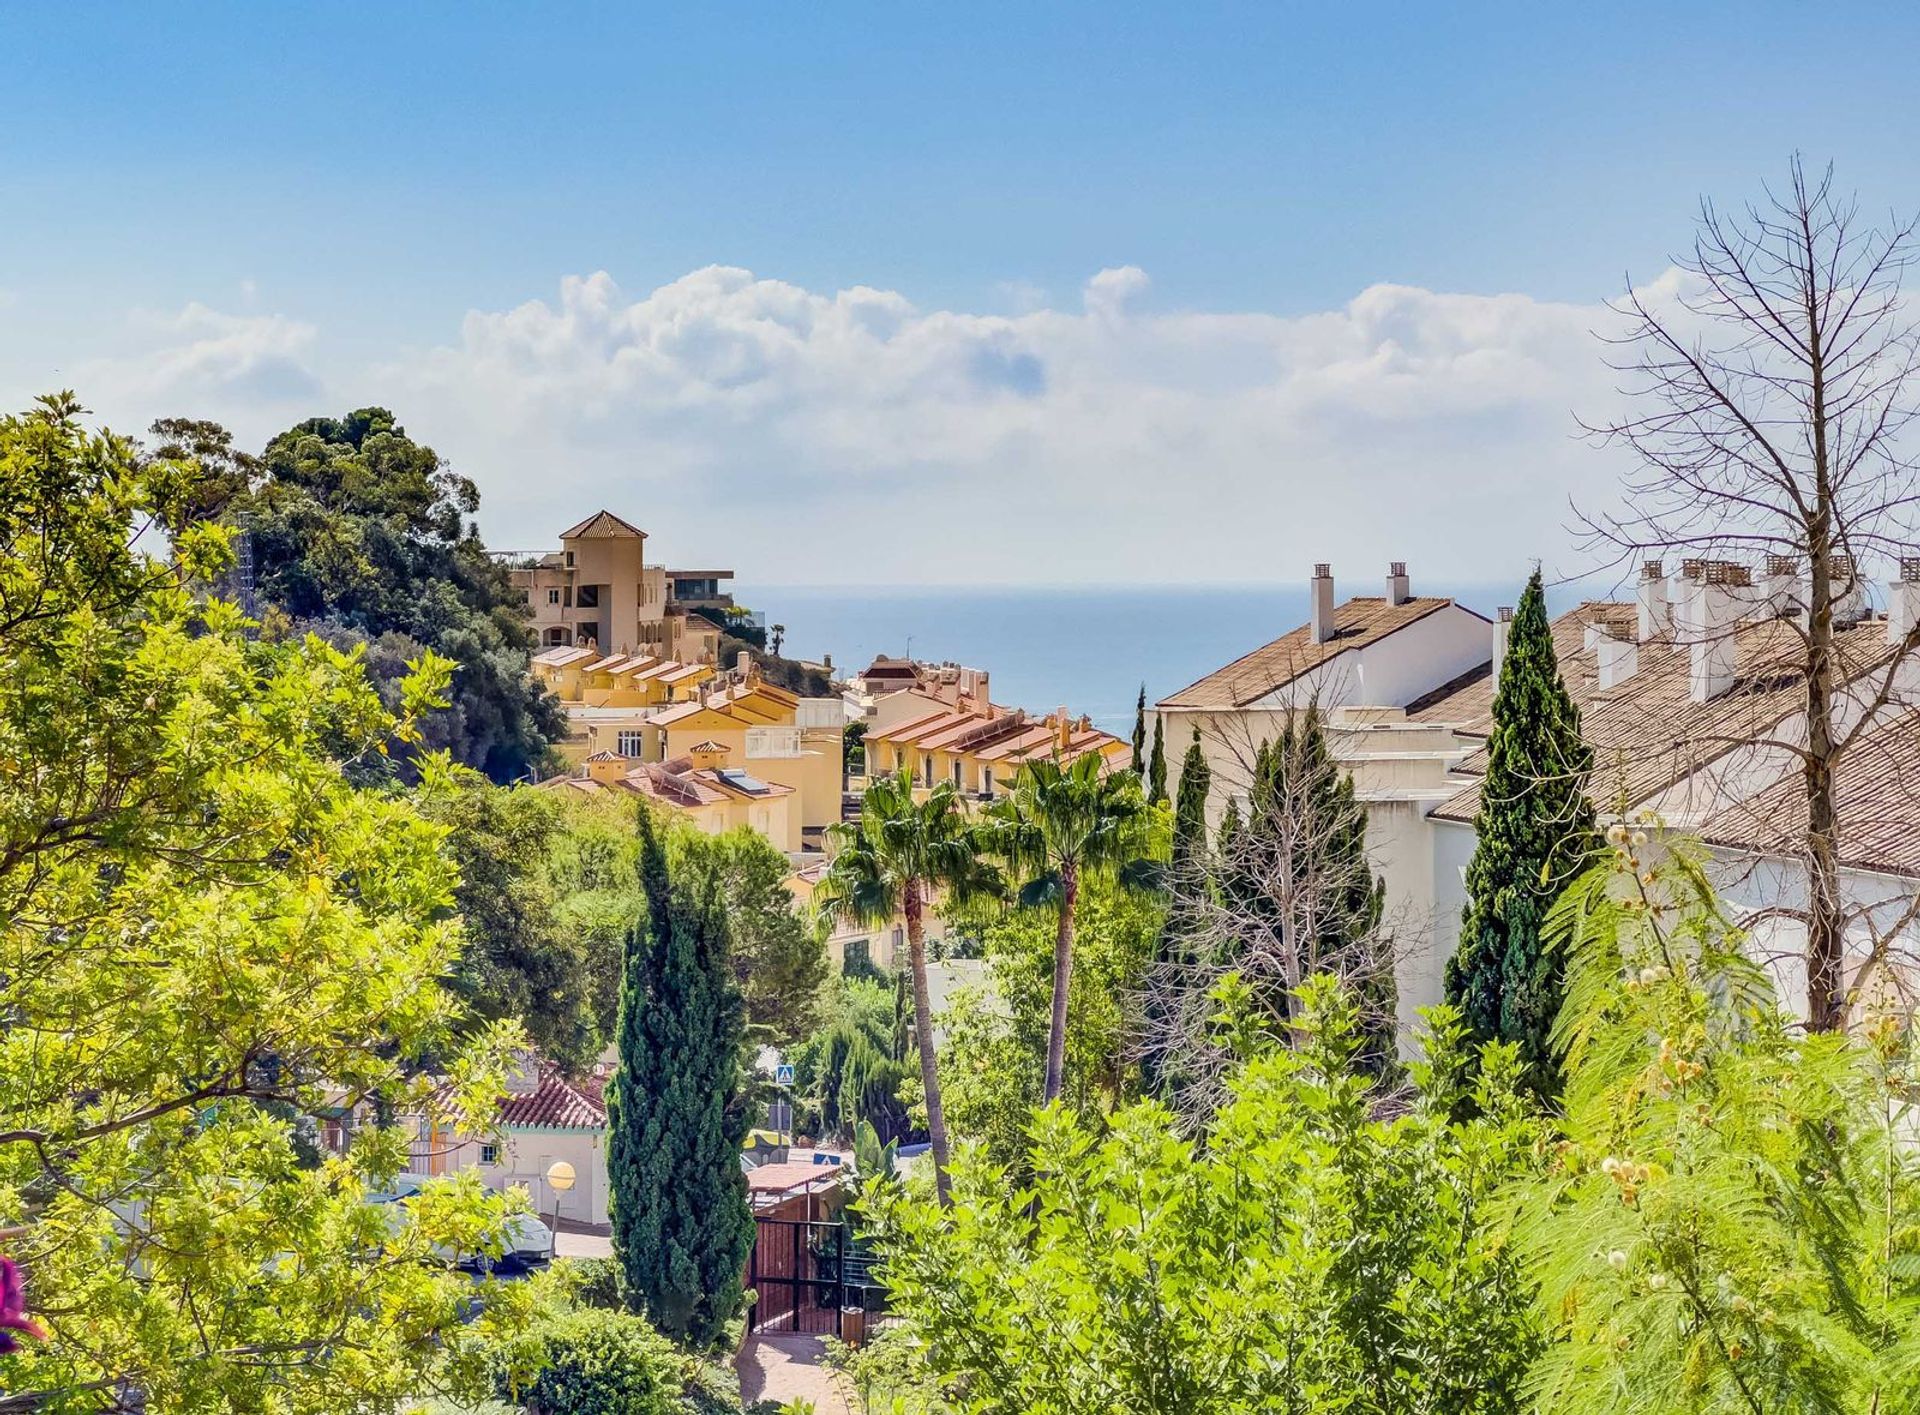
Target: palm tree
[
  {"x": 1057, "y": 828},
  {"x": 895, "y": 859}
]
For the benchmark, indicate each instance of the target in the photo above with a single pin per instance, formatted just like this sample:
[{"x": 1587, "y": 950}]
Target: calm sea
[{"x": 1089, "y": 649}]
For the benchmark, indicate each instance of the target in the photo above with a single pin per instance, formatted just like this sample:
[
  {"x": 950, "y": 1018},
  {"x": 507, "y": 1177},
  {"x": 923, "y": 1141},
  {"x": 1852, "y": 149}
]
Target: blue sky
[{"x": 243, "y": 210}]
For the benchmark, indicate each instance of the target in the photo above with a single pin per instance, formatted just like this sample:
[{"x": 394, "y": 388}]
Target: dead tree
[
  {"x": 1285, "y": 892},
  {"x": 1770, "y": 398}
]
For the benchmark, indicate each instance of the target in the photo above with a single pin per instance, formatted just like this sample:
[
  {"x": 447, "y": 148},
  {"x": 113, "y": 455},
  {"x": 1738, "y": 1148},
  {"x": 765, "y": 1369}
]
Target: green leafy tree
[
  {"x": 675, "y": 1118},
  {"x": 1188, "y": 886},
  {"x": 899, "y": 856},
  {"x": 1157, "y": 767},
  {"x": 1058, "y": 828},
  {"x": 1140, "y": 732},
  {"x": 210, "y": 936},
  {"x": 1308, "y": 1258},
  {"x": 521, "y": 961},
  {"x": 995, "y": 1035},
  {"x": 781, "y": 964},
  {"x": 366, "y": 536},
  {"x": 1730, "y": 1222},
  {"x": 1535, "y": 833}
]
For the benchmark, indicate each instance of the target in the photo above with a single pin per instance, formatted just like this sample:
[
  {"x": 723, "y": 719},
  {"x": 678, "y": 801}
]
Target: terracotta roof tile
[
  {"x": 553, "y": 1105},
  {"x": 1359, "y": 621}
]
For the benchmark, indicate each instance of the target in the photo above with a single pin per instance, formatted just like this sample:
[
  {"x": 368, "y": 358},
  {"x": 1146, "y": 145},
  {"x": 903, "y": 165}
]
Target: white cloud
[
  {"x": 852, "y": 436},
  {"x": 253, "y": 371}
]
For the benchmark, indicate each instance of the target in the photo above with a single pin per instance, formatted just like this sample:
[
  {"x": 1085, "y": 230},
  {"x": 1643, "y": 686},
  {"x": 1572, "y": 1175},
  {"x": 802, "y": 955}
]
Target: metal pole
[{"x": 840, "y": 1263}]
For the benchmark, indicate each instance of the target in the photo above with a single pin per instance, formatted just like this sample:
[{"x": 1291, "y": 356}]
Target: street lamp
[{"x": 559, "y": 1179}]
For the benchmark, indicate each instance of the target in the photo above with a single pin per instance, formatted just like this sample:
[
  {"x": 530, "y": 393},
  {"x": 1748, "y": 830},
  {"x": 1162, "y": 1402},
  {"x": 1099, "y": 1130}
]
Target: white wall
[{"x": 524, "y": 1157}]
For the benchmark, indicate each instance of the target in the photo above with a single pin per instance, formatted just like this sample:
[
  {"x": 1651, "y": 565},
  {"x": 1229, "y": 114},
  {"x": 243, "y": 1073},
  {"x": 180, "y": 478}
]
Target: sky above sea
[
  {"x": 983, "y": 294},
  {"x": 1088, "y": 649}
]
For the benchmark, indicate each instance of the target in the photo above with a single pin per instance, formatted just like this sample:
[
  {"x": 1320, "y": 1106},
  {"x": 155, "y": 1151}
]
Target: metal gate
[{"x": 798, "y": 1273}]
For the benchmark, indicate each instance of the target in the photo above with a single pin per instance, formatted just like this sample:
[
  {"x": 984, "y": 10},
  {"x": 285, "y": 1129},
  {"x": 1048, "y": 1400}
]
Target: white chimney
[
  {"x": 1780, "y": 592},
  {"x": 1595, "y": 632},
  {"x": 1618, "y": 660},
  {"x": 1656, "y": 615},
  {"x": 1502, "y": 626},
  {"x": 1719, "y": 599},
  {"x": 1686, "y": 600},
  {"x": 1399, "y": 588},
  {"x": 1903, "y": 601},
  {"x": 1849, "y": 590},
  {"x": 1320, "y": 602}
]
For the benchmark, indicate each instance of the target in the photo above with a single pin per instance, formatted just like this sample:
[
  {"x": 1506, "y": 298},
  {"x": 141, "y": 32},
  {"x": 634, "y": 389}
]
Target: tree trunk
[
  {"x": 1826, "y": 986},
  {"x": 923, "y": 1038},
  {"x": 1062, "y": 978}
]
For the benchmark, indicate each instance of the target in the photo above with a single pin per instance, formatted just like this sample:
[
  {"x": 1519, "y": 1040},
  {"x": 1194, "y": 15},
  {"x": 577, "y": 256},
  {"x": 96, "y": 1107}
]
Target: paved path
[
  {"x": 567, "y": 1244},
  {"x": 784, "y": 1366}
]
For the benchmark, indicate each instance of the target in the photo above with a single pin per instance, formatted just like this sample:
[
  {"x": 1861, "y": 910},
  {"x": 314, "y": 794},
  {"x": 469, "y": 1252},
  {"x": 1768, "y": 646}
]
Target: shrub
[
  {"x": 592, "y": 1362},
  {"x": 595, "y": 1282}
]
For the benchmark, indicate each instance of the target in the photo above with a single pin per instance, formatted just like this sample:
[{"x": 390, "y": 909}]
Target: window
[
  {"x": 569, "y": 559},
  {"x": 588, "y": 597},
  {"x": 489, "y": 1154},
  {"x": 956, "y": 773},
  {"x": 553, "y": 596},
  {"x": 856, "y": 957},
  {"x": 631, "y": 744},
  {"x": 986, "y": 781},
  {"x": 926, "y": 771}
]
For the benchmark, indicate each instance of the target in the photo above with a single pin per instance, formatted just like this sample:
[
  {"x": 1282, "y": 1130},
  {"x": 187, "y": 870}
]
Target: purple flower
[{"x": 14, "y": 1321}]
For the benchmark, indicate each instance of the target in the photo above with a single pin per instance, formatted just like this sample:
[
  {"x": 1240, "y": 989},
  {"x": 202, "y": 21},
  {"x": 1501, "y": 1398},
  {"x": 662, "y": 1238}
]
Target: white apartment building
[{"x": 1688, "y": 696}]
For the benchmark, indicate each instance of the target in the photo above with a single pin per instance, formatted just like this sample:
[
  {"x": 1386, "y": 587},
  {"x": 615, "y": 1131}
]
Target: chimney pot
[
  {"x": 1502, "y": 626},
  {"x": 1656, "y": 614},
  {"x": 1320, "y": 603},
  {"x": 1399, "y": 588}
]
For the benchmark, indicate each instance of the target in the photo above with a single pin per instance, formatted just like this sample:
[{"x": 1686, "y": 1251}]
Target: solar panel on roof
[{"x": 742, "y": 780}]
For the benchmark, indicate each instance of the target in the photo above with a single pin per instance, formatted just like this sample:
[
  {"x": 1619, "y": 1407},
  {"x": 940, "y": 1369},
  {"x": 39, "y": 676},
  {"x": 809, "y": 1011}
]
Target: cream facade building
[{"x": 598, "y": 590}]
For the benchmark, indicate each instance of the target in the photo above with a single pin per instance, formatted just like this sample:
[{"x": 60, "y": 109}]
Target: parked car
[{"x": 529, "y": 1241}]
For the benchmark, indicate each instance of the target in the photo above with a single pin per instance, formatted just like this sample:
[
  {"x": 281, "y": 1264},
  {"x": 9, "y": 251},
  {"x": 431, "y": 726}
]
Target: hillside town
[{"x": 1070, "y": 920}]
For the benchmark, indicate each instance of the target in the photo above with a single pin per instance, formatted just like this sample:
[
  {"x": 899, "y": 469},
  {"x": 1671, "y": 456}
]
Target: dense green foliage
[
  {"x": 1732, "y": 1223},
  {"x": 1188, "y": 884},
  {"x": 592, "y": 1362},
  {"x": 1157, "y": 766},
  {"x": 1309, "y": 1258},
  {"x": 521, "y": 960},
  {"x": 780, "y": 962},
  {"x": 856, "y": 1069},
  {"x": 676, "y": 1116},
  {"x": 1059, "y": 829},
  {"x": 1140, "y": 732},
  {"x": 901, "y": 855},
  {"x": 992, "y": 1058},
  {"x": 363, "y": 535},
  {"x": 1535, "y": 833},
  {"x": 209, "y": 937}
]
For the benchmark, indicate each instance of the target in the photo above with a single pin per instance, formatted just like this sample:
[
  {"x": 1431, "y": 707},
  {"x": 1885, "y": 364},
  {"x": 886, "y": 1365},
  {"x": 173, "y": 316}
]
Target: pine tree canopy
[
  {"x": 1535, "y": 834},
  {"x": 676, "y": 1116}
]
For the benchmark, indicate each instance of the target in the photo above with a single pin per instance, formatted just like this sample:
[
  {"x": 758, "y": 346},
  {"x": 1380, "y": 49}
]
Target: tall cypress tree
[
  {"x": 1140, "y": 732},
  {"x": 681, "y": 1222},
  {"x": 1536, "y": 832},
  {"x": 1187, "y": 884},
  {"x": 1157, "y": 767}
]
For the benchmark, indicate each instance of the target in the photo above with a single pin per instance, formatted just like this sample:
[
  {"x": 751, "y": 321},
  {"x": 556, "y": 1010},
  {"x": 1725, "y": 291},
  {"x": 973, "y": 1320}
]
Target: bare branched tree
[
  {"x": 1285, "y": 893},
  {"x": 1771, "y": 397}
]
